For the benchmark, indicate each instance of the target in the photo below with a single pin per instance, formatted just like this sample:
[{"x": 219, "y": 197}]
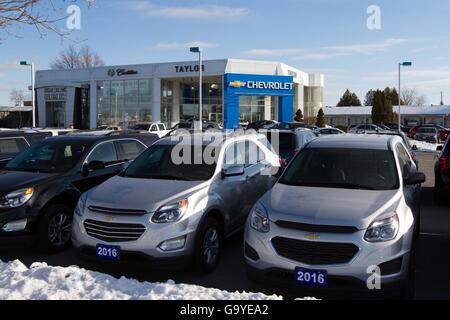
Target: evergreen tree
[
  {"x": 349, "y": 99},
  {"x": 320, "y": 120},
  {"x": 382, "y": 111},
  {"x": 299, "y": 115}
]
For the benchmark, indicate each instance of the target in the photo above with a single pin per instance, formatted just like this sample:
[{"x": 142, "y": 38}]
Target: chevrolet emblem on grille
[
  {"x": 312, "y": 236},
  {"x": 109, "y": 218}
]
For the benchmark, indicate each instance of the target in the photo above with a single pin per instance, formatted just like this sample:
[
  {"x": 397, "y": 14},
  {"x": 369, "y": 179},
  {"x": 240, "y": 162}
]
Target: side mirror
[
  {"x": 92, "y": 166},
  {"x": 233, "y": 171},
  {"x": 439, "y": 148},
  {"x": 415, "y": 178},
  {"x": 414, "y": 147}
]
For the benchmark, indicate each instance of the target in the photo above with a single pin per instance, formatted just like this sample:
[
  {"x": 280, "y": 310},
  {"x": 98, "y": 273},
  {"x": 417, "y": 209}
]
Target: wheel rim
[
  {"x": 211, "y": 243},
  {"x": 59, "y": 229}
]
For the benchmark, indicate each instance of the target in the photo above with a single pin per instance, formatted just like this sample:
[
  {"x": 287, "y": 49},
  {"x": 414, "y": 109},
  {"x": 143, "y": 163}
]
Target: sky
[{"x": 318, "y": 36}]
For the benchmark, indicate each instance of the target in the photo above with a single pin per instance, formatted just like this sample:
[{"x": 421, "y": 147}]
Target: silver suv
[
  {"x": 178, "y": 200},
  {"x": 346, "y": 208}
]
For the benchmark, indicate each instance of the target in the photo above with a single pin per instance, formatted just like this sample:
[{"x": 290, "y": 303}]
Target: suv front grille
[
  {"x": 113, "y": 232},
  {"x": 313, "y": 252},
  {"x": 315, "y": 228},
  {"x": 126, "y": 212}
]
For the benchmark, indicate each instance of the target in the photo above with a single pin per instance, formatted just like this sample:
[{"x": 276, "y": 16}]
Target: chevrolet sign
[{"x": 262, "y": 85}]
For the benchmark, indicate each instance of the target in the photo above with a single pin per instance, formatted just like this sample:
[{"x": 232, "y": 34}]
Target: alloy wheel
[{"x": 59, "y": 229}]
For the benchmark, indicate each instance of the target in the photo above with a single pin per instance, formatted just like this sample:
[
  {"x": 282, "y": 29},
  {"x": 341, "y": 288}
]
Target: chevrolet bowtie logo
[
  {"x": 312, "y": 236},
  {"x": 237, "y": 84}
]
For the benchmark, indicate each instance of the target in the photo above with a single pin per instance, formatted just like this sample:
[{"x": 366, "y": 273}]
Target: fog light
[
  {"x": 14, "y": 226},
  {"x": 173, "y": 244}
]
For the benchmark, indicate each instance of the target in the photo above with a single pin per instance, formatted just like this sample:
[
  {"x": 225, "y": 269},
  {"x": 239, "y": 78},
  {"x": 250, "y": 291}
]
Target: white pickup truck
[{"x": 156, "y": 128}]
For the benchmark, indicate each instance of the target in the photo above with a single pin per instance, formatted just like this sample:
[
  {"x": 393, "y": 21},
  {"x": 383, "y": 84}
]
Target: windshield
[
  {"x": 145, "y": 127},
  {"x": 343, "y": 168},
  {"x": 48, "y": 157},
  {"x": 156, "y": 163},
  {"x": 427, "y": 130}
]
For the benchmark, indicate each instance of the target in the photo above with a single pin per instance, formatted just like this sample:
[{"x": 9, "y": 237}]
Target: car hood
[
  {"x": 15, "y": 180},
  {"x": 328, "y": 206},
  {"x": 140, "y": 194}
]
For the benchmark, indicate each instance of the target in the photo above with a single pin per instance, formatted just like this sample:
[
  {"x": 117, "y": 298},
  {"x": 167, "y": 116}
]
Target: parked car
[
  {"x": 155, "y": 128},
  {"x": 288, "y": 142},
  {"x": 263, "y": 124},
  {"x": 442, "y": 175},
  {"x": 291, "y": 125},
  {"x": 344, "y": 204},
  {"x": 190, "y": 125},
  {"x": 57, "y": 132},
  {"x": 166, "y": 211},
  {"x": 443, "y": 133},
  {"x": 327, "y": 131},
  {"x": 366, "y": 128},
  {"x": 427, "y": 134},
  {"x": 394, "y": 127},
  {"x": 13, "y": 142},
  {"x": 40, "y": 187}
]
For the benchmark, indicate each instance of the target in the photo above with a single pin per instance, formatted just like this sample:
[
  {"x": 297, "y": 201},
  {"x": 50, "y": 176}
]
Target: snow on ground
[
  {"x": 43, "y": 282},
  {"x": 424, "y": 146}
]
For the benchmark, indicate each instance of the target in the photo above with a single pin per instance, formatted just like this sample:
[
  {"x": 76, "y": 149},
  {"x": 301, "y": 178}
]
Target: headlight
[
  {"x": 383, "y": 230},
  {"x": 170, "y": 212},
  {"x": 81, "y": 206},
  {"x": 259, "y": 220},
  {"x": 17, "y": 198}
]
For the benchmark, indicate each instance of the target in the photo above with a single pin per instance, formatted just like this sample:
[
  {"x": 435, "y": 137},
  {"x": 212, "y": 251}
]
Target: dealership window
[
  {"x": 124, "y": 102},
  {"x": 212, "y": 100},
  {"x": 166, "y": 101},
  {"x": 256, "y": 108},
  {"x": 55, "y": 114}
]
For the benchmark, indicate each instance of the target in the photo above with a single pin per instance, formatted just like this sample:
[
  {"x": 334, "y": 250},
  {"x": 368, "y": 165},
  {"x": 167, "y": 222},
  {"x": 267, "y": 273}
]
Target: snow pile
[
  {"x": 424, "y": 146},
  {"x": 43, "y": 282}
]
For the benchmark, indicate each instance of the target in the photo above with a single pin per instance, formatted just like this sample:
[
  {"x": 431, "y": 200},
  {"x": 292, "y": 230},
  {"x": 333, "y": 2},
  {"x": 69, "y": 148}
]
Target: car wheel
[
  {"x": 208, "y": 247},
  {"x": 55, "y": 228}
]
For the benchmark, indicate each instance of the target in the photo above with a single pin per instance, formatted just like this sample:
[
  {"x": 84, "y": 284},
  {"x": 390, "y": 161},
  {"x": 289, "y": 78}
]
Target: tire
[
  {"x": 208, "y": 245},
  {"x": 55, "y": 228}
]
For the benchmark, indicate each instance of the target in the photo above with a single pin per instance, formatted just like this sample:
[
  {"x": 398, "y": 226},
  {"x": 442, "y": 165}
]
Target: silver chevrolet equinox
[
  {"x": 345, "y": 212},
  {"x": 179, "y": 199}
]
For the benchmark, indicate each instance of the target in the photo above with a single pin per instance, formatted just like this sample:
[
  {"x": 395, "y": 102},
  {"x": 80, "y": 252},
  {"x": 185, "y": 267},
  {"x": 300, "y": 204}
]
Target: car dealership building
[{"x": 234, "y": 92}]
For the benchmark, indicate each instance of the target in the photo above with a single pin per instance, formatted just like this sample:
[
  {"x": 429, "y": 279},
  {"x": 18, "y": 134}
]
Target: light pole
[
  {"x": 400, "y": 65},
  {"x": 33, "y": 103},
  {"x": 200, "y": 68}
]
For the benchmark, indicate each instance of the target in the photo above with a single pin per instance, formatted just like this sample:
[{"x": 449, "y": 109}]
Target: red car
[{"x": 443, "y": 132}]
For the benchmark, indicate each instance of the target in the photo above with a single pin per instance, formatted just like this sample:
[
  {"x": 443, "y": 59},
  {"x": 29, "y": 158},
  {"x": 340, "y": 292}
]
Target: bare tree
[
  {"x": 17, "y": 97},
  {"x": 73, "y": 58},
  {"x": 43, "y": 15},
  {"x": 411, "y": 97}
]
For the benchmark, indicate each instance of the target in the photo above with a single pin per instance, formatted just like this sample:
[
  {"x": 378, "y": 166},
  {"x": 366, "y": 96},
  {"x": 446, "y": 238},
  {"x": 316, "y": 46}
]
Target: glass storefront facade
[
  {"x": 212, "y": 101},
  {"x": 313, "y": 98},
  {"x": 256, "y": 108},
  {"x": 124, "y": 102}
]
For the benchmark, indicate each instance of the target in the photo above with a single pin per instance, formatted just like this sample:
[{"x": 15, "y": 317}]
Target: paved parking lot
[{"x": 433, "y": 259}]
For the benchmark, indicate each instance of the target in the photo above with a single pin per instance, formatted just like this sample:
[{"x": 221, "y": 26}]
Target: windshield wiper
[
  {"x": 169, "y": 177},
  {"x": 328, "y": 185}
]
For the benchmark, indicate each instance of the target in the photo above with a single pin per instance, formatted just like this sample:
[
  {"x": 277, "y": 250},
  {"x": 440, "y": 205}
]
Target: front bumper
[
  {"x": 269, "y": 263},
  {"x": 146, "y": 246},
  {"x": 20, "y": 237}
]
